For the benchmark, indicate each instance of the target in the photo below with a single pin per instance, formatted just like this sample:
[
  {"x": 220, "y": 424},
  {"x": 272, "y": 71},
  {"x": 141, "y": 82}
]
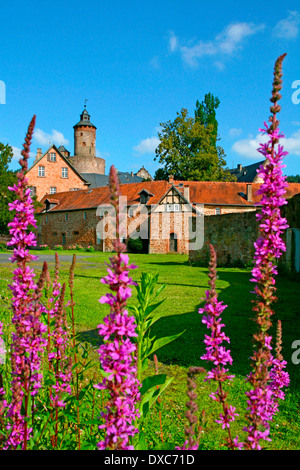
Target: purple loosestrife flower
[
  {"x": 215, "y": 352},
  {"x": 27, "y": 339},
  {"x": 60, "y": 362},
  {"x": 117, "y": 354},
  {"x": 268, "y": 248},
  {"x": 192, "y": 442},
  {"x": 278, "y": 377}
]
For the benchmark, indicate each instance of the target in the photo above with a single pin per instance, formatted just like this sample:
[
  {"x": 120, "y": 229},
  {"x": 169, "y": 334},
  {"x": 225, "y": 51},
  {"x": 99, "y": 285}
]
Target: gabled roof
[
  {"x": 246, "y": 174},
  {"x": 64, "y": 159},
  {"x": 180, "y": 194},
  {"x": 200, "y": 192}
]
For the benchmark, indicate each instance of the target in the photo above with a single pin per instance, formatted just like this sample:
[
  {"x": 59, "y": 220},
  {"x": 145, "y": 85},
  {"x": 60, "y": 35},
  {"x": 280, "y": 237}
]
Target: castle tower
[
  {"x": 84, "y": 136},
  {"x": 84, "y": 159}
]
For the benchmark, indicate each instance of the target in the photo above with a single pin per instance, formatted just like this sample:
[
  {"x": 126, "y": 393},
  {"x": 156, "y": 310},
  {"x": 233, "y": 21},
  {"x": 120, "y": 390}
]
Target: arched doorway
[{"x": 173, "y": 243}]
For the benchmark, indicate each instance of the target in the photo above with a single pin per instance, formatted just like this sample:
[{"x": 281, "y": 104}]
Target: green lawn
[{"x": 185, "y": 287}]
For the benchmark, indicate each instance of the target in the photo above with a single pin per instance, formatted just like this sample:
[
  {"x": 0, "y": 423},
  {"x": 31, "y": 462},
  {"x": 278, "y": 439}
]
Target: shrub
[{"x": 135, "y": 245}]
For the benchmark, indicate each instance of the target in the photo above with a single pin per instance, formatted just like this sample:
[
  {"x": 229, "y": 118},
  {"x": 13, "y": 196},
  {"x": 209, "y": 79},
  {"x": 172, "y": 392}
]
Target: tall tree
[
  {"x": 188, "y": 151},
  {"x": 205, "y": 113},
  {"x": 7, "y": 178}
]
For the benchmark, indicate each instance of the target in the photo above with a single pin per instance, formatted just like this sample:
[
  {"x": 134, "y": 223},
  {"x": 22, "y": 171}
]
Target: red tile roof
[{"x": 200, "y": 192}]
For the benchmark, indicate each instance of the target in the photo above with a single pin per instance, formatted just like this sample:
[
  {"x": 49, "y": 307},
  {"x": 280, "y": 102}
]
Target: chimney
[
  {"x": 171, "y": 178},
  {"x": 38, "y": 154},
  {"x": 240, "y": 167},
  {"x": 131, "y": 174},
  {"x": 186, "y": 193},
  {"x": 249, "y": 192}
]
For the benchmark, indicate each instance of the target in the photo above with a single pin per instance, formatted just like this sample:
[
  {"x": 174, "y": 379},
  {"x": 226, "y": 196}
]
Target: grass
[{"x": 185, "y": 287}]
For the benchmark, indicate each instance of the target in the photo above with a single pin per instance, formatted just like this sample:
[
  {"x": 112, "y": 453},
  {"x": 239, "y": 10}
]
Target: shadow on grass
[
  {"x": 239, "y": 327},
  {"x": 170, "y": 263},
  {"x": 90, "y": 336}
]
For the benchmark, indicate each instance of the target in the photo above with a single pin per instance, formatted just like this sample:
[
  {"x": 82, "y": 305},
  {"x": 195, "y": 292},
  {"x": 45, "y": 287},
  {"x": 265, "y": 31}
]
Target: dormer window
[
  {"x": 50, "y": 203},
  {"x": 144, "y": 196}
]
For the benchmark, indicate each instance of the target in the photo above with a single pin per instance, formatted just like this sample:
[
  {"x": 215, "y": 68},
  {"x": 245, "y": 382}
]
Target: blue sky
[{"x": 140, "y": 62}]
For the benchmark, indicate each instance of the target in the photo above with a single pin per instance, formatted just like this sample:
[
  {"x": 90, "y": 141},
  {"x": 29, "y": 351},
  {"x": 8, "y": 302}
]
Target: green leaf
[
  {"x": 141, "y": 443},
  {"x": 159, "y": 343},
  {"x": 165, "y": 446},
  {"x": 152, "y": 381}
]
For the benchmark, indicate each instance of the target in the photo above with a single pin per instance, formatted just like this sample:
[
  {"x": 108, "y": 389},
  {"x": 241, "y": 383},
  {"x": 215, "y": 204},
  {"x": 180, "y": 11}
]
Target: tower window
[{"x": 64, "y": 172}]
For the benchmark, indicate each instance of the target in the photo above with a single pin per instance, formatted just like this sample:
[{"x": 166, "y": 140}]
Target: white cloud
[
  {"x": 292, "y": 144},
  {"x": 235, "y": 132},
  {"x": 17, "y": 154},
  {"x": 230, "y": 40},
  {"x": 225, "y": 44},
  {"x": 45, "y": 139},
  {"x": 247, "y": 148},
  {"x": 173, "y": 42},
  {"x": 147, "y": 145},
  {"x": 288, "y": 28}
]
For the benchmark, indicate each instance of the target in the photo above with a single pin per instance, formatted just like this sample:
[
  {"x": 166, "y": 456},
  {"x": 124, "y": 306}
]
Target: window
[
  {"x": 98, "y": 238},
  {"x": 64, "y": 172},
  {"x": 46, "y": 219},
  {"x": 33, "y": 191},
  {"x": 53, "y": 157},
  {"x": 63, "y": 238},
  {"x": 143, "y": 198},
  {"x": 66, "y": 217},
  {"x": 41, "y": 171},
  {"x": 218, "y": 211},
  {"x": 84, "y": 216},
  {"x": 169, "y": 207},
  {"x": 52, "y": 190},
  {"x": 176, "y": 207},
  {"x": 130, "y": 212}
]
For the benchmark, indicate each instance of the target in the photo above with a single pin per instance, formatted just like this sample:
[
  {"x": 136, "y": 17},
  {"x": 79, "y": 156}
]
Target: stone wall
[
  {"x": 85, "y": 141},
  {"x": 232, "y": 236},
  {"x": 78, "y": 229},
  {"x": 88, "y": 164}
]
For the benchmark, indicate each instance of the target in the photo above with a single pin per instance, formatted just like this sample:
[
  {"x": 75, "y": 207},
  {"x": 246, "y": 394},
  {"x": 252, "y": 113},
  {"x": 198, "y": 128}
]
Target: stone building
[
  {"x": 248, "y": 173},
  {"x": 52, "y": 172},
  {"x": 57, "y": 170},
  {"x": 167, "y": 215}
]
